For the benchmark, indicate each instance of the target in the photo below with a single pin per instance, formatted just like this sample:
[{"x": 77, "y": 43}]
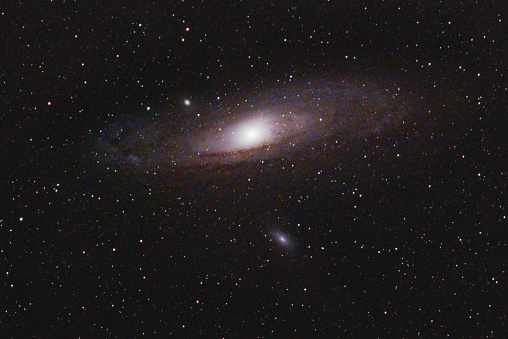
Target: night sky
[{"x": 308, "y": 169}]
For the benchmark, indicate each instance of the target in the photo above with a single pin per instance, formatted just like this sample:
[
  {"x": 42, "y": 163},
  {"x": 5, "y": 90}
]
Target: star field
[{"x": 253, "y": 169}]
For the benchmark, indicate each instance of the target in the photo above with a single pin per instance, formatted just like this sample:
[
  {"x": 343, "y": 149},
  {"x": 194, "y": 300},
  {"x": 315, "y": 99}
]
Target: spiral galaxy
[{"x": 288, "y": 121}]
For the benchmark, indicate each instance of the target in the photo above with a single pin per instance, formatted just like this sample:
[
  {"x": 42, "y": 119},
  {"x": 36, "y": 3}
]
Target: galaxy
[
  {"x": 281, "y": 123},
  {"x": 253, "y": 169},
  {"x": 283, "y": 240}
]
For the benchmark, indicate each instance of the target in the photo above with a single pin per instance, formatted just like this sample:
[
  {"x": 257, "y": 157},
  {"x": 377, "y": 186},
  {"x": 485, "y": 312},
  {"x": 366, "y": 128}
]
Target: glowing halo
[
  {"x": 253, "y": 134},
  {"x": 247, "y": 134}
]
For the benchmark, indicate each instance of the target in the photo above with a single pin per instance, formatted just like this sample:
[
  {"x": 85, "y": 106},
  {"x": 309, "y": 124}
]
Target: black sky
[{"x": 400, "y": 233}]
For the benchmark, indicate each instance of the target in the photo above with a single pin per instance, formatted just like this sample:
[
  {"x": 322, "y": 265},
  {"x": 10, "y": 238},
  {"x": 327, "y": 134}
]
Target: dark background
[{"x": 402, "y": 234}]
